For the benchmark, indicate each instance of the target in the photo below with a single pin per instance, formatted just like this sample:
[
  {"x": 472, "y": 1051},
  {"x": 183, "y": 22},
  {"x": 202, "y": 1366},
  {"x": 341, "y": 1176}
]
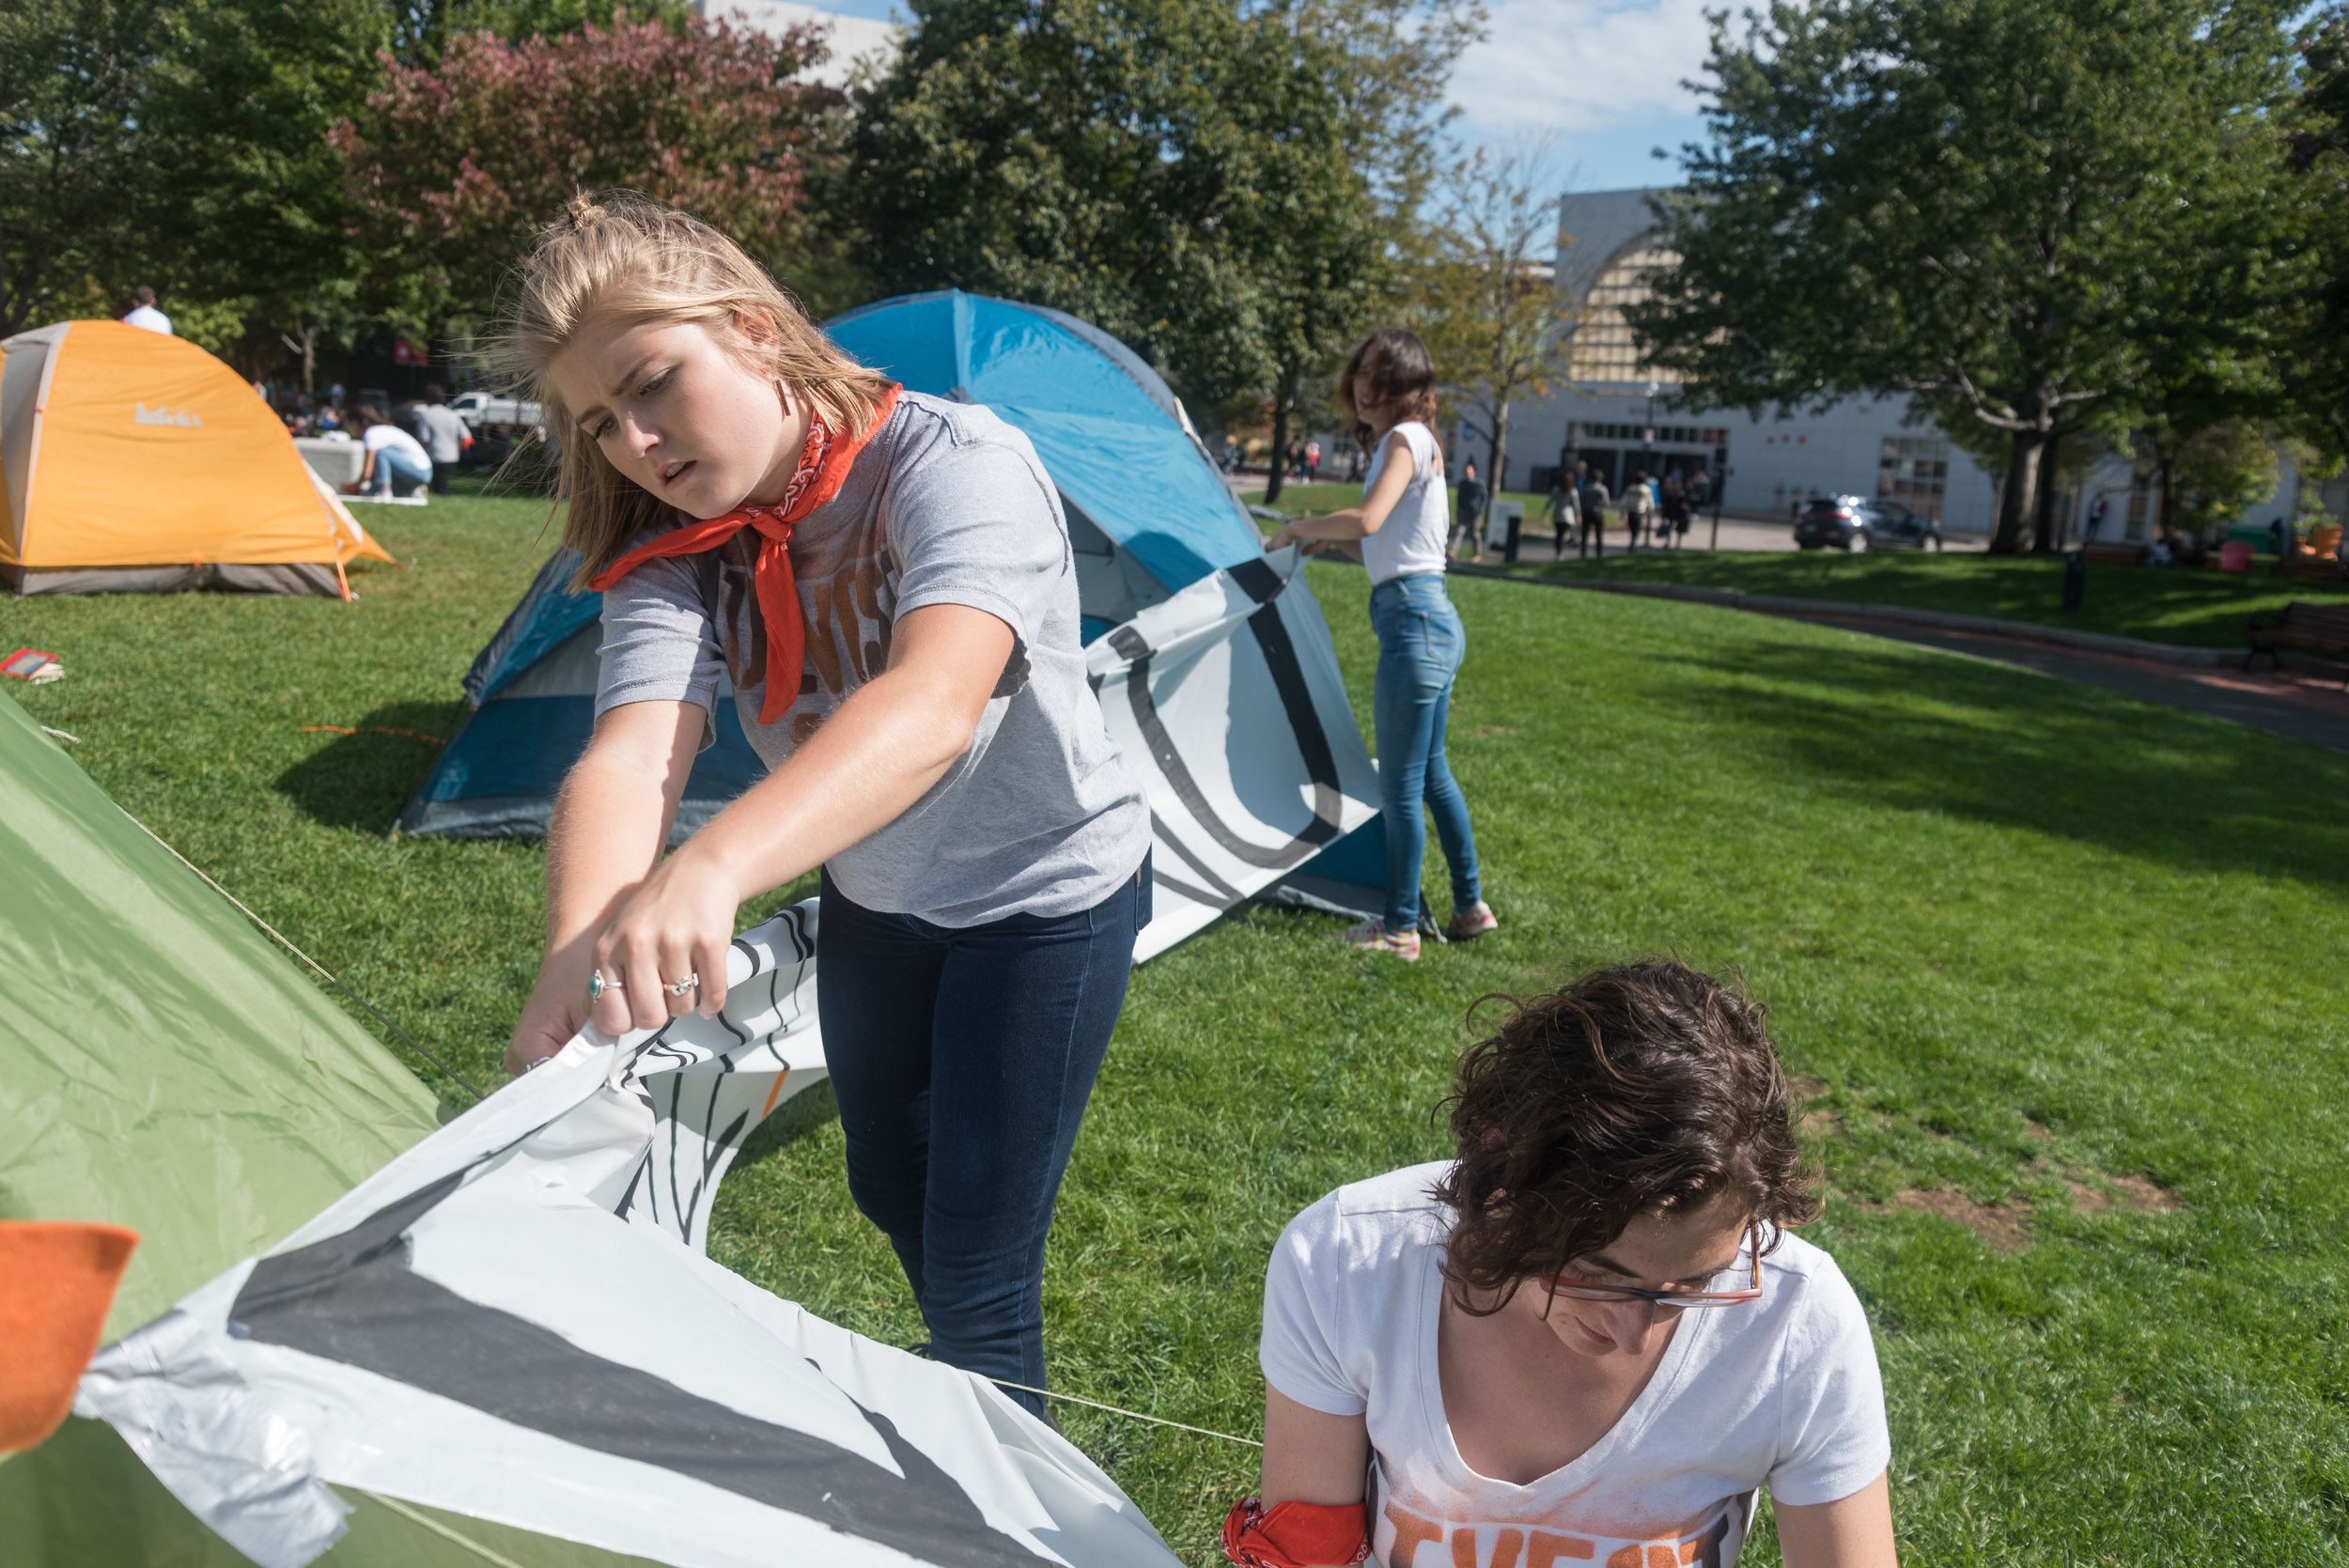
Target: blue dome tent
[
  {"x": 1149, "y": 514},
  {"x": 533, "y": 692},
  {"x": 1259, "y": 782}
]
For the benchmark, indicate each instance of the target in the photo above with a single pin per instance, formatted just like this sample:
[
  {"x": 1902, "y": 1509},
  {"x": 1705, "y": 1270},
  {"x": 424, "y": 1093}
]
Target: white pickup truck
[{"x": 478, "y": 408}]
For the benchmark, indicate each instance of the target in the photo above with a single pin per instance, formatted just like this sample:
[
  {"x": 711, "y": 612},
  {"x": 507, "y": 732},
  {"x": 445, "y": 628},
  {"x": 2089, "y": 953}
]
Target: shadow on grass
[
  {"x": 800, "y": 1116},
  {"x": 363, "y": 779},
  {"x": 2014, "y": 750}
]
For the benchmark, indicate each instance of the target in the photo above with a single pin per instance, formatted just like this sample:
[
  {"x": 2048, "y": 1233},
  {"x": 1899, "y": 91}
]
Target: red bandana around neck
[{"x": 823, "y": 465}]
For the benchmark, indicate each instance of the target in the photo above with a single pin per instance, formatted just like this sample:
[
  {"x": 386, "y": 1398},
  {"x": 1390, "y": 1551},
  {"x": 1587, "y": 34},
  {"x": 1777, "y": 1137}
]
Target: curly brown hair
[{"x": 1641, "y": 1088}]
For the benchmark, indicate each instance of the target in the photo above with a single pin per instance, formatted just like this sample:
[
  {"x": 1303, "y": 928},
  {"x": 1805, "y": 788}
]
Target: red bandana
[{"x": 823, "y": 465}]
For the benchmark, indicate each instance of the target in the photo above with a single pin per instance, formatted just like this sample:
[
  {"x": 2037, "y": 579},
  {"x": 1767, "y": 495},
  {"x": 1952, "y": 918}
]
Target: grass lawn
[
  {"x": 2202, "y": 609},
  {"x": 2063, "y": 974}
]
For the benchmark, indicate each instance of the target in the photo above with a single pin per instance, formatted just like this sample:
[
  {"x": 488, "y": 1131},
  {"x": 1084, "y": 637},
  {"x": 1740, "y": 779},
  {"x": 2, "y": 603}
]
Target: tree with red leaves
[{"x": 454, "y": 167}]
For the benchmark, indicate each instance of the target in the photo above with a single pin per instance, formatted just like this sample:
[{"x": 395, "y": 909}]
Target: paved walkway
[
  {"x": 2305, "y": 707},
  {"x": 1747, "y": 532}
]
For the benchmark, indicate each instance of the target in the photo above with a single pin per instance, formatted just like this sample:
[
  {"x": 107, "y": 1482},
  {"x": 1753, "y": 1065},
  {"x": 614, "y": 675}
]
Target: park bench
[
  {"x": 2322, "y": 629},
  {"x": 2115, "y": 553},
  {"x": 2326, "y": 569}
]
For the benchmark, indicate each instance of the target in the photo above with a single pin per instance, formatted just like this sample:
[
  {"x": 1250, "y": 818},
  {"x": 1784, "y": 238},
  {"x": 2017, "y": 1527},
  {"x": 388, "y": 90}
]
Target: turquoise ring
[{"x": 598, "y": 985}]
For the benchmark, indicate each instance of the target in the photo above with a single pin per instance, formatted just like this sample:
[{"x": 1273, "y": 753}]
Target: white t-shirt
[
  {"x": 148, "y": 317},
  {"x": 1784, "y": 1391},
  {"x": 381, "y": 436},
  {"x": 1412, "y": 540}
]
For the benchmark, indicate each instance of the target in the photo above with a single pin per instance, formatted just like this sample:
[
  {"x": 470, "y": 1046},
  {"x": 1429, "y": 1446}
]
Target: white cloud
[{"x": 1581, "y": 65}]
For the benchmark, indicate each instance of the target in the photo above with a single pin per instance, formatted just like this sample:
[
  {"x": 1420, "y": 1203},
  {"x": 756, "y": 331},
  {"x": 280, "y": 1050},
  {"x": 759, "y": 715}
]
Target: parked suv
[{"x": 1850, "y": 522}]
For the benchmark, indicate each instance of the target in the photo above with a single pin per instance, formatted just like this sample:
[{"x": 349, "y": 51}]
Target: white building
[
  {"x": 854, "y": 39},
  {"x": 1614, "y": 415}
]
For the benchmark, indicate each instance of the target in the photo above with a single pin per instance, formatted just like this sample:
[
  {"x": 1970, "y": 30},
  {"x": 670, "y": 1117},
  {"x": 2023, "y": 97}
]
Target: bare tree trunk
[
  {"x": 1497, "y": 460},
  {"x": 306, "y": 349},
  {"x": 1283, "y": 398},
  {"x": 2165, "y": 464},
  {"x": 2042, "y": 529},
  {"x": 2015, "y": 496}
]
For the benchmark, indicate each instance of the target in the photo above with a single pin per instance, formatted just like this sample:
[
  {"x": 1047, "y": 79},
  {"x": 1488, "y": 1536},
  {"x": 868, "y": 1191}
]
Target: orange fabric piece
[
  {"x": 1295, "y": 1534},
  {"x": 822, "y": 469},
  {"x": 57, "y": 1281}
]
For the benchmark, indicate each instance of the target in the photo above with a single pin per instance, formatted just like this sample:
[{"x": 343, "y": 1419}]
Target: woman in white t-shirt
[
  {"x": 1588, "y": 1338},
  {"x": 1398, "y": 532},
  {"x": 393, "y": 455}
]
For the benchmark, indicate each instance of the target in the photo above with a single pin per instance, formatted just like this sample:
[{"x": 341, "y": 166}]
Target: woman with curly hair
[{"x": 1588, "y": 1336}]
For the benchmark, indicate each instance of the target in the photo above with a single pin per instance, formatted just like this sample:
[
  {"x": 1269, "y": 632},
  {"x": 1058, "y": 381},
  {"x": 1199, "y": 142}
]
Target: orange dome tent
[{"x": 136, "y": 462}]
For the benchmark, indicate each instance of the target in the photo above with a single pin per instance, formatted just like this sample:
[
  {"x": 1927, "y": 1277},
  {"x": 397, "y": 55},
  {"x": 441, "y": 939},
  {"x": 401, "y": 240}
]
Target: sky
[{"x": 1600, "y": 77}]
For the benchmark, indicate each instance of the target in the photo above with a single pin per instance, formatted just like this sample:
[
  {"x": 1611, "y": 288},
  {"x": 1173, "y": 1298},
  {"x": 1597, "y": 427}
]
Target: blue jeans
[
  {"x": 393, "y": 467},
  {"x": 1420, "y": 648},
  {"x": 962, "y": 1061}
]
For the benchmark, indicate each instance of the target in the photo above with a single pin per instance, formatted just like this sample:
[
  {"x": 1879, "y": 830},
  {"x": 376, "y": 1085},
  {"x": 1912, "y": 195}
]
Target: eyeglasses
[{"x": 1583, "y": 1290}]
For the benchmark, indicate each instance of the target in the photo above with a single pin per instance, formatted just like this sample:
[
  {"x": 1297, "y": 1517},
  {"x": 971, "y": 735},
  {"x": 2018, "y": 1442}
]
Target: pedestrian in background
[
  {"x": 144, "y": 314},
  {"x": 1313, "y": 461},
  {"x": 1565, "y": 511},
  {"x": 1676, "y": 508},
  {"x": 443, "y": 433},
  {"x": 1595, "y": 499},
  {"x": 1471, "y": 513},
  {"x": 1638, "y": 506}
]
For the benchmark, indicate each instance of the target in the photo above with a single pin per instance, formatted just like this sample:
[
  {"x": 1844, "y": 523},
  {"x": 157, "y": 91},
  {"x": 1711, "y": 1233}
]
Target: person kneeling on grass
[
  {"x": 1588, "y": 1337},
  {"x": 391, "y": 457}
]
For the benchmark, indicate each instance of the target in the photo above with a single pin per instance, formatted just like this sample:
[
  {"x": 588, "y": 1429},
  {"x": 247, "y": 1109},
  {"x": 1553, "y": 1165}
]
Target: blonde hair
[{"x": 631, "y": 258}]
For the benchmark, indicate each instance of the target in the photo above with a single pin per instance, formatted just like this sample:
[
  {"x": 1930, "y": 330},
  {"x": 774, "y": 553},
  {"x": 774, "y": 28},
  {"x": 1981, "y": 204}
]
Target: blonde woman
[{"x": 887, "y": 579}]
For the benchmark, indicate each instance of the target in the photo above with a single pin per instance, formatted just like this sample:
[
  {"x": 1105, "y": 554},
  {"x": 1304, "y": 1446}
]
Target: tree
[
  {"x": 75, "y": 77},
  {"x": 1490, "y": 312},
  {"x": 1343, "y": 242},
  {"x": 1984, "y": 202},
  {"x": 2316, "y": 369},
  {"x": 1206, "y": 179},
  {"x": 455, "y": 167},
  {"x": 181, "y": 145},
  {"x": 421, "y": 29}
]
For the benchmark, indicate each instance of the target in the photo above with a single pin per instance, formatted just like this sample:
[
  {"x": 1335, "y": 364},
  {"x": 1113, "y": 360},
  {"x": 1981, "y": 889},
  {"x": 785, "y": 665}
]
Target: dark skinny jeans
[{"x": 962, "y": 1061}]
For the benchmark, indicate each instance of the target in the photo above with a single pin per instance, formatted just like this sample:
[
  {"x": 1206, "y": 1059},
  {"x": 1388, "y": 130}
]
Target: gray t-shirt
[
  {"x": 946, "y": 504},
  {"x": 442, "y": 431}
]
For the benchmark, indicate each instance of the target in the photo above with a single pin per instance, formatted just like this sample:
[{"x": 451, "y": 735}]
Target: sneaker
[
  {"x": 1468, "y": 924},
  {"x": 1372, "y": 936}
]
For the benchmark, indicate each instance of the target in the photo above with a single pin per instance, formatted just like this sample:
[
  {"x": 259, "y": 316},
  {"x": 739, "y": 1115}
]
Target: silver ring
[
  {"x": 681, "y": 987},
  {"x": 598, "y": 985}
]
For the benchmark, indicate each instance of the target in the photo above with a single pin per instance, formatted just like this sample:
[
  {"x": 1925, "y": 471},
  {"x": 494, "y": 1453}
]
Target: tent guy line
[
  {"x": 1114, "y": 1411},
  {"x": 428, "y": 1522},
  {"x": 290, "y": 947}
]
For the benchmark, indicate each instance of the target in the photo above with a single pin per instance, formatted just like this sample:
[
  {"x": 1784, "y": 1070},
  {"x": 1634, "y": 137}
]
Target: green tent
[{"x": 164, "y": 1066}]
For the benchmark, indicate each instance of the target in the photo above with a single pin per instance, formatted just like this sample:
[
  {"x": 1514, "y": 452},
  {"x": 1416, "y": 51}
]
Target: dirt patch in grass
[
  {"x": 1999, "y": 1224},
  {"x": 1812, "y": 1121},
  {"x": 2128, "y": 1194}
]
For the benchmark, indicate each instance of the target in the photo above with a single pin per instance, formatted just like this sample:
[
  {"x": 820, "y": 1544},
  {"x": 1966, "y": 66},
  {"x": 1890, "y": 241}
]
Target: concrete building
[{"x": 1614, "y": 416}]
